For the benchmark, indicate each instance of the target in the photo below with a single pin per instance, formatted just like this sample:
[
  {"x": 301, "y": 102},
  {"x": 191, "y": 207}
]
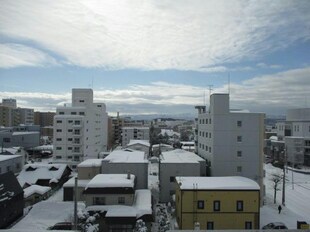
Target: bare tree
[{"x": 276, "y": 179}]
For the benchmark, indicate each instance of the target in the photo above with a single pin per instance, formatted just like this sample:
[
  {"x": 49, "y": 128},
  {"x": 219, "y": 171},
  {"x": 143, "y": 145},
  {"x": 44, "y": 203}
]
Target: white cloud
[
  {"x": 14, "y": 55},
  {"x": 157, "y": 35},
  {"x": 272, "y": 94},
  {"x": 265, "y": 66}
]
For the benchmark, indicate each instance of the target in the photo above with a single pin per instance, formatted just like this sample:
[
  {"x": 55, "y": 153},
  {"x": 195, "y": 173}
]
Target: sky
[{"x": 156, "y": 57}]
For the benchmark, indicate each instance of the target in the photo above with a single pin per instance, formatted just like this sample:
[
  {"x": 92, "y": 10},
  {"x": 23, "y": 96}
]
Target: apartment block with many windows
[
  {"x": 230, "y": 140},
  {"x": 80, "y": 131}
]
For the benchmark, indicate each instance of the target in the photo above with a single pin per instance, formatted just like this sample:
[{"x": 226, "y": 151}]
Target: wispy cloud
[
  {"x": 266, "y": 66},
  {"x": 272, "y": 94},
  {"x": 157, "y": 35},
  {"x": 15, "y": 55}
]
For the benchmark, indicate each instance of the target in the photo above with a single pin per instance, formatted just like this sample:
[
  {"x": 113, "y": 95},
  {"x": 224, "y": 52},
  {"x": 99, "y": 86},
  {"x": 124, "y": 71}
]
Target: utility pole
[
  {"x": 283, "y": 186},
  {"x": 75, "y": 203}
]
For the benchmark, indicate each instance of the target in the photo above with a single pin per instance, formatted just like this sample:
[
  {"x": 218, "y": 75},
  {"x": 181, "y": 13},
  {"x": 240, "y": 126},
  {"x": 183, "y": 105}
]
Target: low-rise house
[
  {"x": 13, "y": 163},
  {"x": 16, "y": 151},
  {"x": 139, "y": 145},
  {"x": 11, "y": 199},
  {"x": 218, "y": 203},
  {"x": 35, "y": 193},
  {"x": 157, "y": 149},
  {"x": 87, "y": 170},
  {"x": 127, "y": 161},
  {"x": 114, "y": 197},
  {"x": 52, "y": 175},
  {"x": 177, "y": 163}
]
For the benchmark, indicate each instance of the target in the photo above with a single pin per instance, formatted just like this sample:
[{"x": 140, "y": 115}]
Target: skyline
[{"x": 147, "y": 57}]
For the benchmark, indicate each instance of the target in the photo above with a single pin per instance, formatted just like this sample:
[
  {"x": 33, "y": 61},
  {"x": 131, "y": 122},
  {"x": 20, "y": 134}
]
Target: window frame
[{"x": 217, "y": 206}]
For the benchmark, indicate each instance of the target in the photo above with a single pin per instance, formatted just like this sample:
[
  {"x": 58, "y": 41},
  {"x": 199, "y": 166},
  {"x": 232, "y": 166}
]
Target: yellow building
[{"x": 217, "y": 203}]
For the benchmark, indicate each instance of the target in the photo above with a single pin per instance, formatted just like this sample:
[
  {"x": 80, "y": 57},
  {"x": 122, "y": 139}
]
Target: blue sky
[{"x": 143, "y": 57}]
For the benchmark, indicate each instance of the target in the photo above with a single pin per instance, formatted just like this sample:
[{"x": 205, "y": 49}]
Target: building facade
[
  {"x": 134, "y": 133},
  {"x": 217, "y": 203},
  {"x": 81, "y": 130},
  {"x": 231, "y": 140},
  {"x": 177, "y": 163}
]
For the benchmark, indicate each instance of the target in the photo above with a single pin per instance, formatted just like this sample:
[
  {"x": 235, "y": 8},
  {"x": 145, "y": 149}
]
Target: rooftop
[
  {"x": 35, "y": 189},
  {"x": 142, "y": 142},
  {"x": 217, "y": 183},
  {"x": 111, "y": 181},
  {"x": 126, "y": 156},
  {"x": 8, "y": 157},
  {"x": 91, "y": 163},
  {"x": 179, "y": 156}
]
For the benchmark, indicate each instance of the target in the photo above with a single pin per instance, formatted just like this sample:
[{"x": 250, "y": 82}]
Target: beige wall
[{"x": 87, "y": 173}]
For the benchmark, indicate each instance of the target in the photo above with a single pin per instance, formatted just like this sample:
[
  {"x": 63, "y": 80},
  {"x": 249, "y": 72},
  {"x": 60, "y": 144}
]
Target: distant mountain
[{"x": 185, "y": 116}]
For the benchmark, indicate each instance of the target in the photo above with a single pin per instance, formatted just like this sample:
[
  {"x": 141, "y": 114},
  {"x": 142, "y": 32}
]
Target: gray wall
[
  {"x": 140, "y": 170},
  {"x": 12, "y": 164},
  {"x": 168, "y": 170}
]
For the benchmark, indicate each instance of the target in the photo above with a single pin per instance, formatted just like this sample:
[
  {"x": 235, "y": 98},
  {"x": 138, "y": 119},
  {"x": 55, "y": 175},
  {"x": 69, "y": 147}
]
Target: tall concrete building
[
  {"x": 134, "y": 133},
  {"x": 230, "y": 140},
  {"x": 295, "y": 131},
  {"x": 10, "y": 115},
  {"x": 80, "y": 131}
]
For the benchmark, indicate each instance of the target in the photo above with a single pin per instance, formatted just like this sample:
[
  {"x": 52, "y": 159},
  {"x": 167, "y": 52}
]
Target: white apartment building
[
  {"x": 231, "y": 140},
  {"x": 298, "y": 142},
  {"x": 134, "y": 133},
  {"x": 80, "y": 131}
]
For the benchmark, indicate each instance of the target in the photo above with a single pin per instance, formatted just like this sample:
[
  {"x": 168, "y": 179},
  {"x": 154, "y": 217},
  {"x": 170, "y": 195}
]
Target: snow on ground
[
  {"x": 57, "y": 196},
  {"x": 45, "y": 214},
  {"x": 297, "y": 200}
]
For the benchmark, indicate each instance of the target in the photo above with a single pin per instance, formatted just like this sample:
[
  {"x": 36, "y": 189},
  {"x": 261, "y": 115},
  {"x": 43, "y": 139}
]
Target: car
[
  {"x": 63, "y": 226},
  {"x": 275, "y": 226}
]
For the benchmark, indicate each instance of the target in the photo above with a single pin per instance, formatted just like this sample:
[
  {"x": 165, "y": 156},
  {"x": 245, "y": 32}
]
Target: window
[
  {"x": 239, "y": 168},
  {"x": 210, "y": 135},
  {"x": 18, "y": 165},
  {"x": 59, "y": 130},
  {"x": 77, "y": 122},
  {"x": 73, "y": 113},
  {"x": 239, "y": 123},
  {"x": 70, "y": 130},
  {"x": 81, "y": 100},
  {"x": 8, "y": 168},
  {"x": 6, "y": 140},
  {"x": 210, "y": 120},
  {"x": 69, "y": 139},
  {"x": 58, "y": 148},
  {"x": 59, "y": 121},
  {"x": 171, "y": 178},
  {"x": 69, "y": 148},
  {"x": 200, "y": 204},
  {"x": 70, "y": 157},
  {"x": 58, "y": 157},
  {"x": 70, "y": 121},
  {"x": 239, "y": 154},
  {"x": 210, "y": 149},
  {"x": 239, "y": 138},
  {"x": 81, "y": 113},
  {"x": 121, "y": 200},
  {"x": 210, "y": 225},
  {"x": 58, "y": 139},
  {"x": 61, "y": 112},
  {"x": 216, "y": 206},
  {"x": 99, "y": 200},
  {"x": 239, "y": 205},
  {"x": 248, "y": 225}
]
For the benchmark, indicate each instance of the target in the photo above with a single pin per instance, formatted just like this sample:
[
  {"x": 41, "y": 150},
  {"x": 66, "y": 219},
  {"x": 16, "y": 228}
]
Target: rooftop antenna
[
  {"x": 210, "y": 90},
  {"x": 204, "y": 97},
  {"x": 228, "y": 83}
]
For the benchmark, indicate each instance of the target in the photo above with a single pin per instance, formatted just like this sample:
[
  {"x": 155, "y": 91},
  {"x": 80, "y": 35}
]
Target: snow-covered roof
[
  {"x": 12, "y": 150},
  {"x": 111, "y": 181},
  {"x": 126, "y": 156},
  {"x": 35, "y": 189},
  {"x": 25, "y": 133},
  {"x": 31, "y": 173},
  {"x": 91, "y": 163},
  {"x": 273, "y": 138},
  {"x": 217, "y": 183},
  {"x": 135, "y": 141},
  {"x": 187, "y": 143},
  {"x": 239, "y": 111},
  {"x": 161, "y": 145},
  {"x": 169, "y": 132},
  {"x": 8, "y": 157},
  {"x": 142, "y": 206},
  {"x": 143, "y": 202},
  {"x": 179, "y": 156},
  {"x": 135, "y": 127},
  {"x": 43, "y": 147},
  {"x": 80, "y": 183}
]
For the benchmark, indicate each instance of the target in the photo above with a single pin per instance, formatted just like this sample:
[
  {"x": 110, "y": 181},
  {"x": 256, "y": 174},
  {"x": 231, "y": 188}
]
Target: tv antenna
[{"x": 210, "y": 90}]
